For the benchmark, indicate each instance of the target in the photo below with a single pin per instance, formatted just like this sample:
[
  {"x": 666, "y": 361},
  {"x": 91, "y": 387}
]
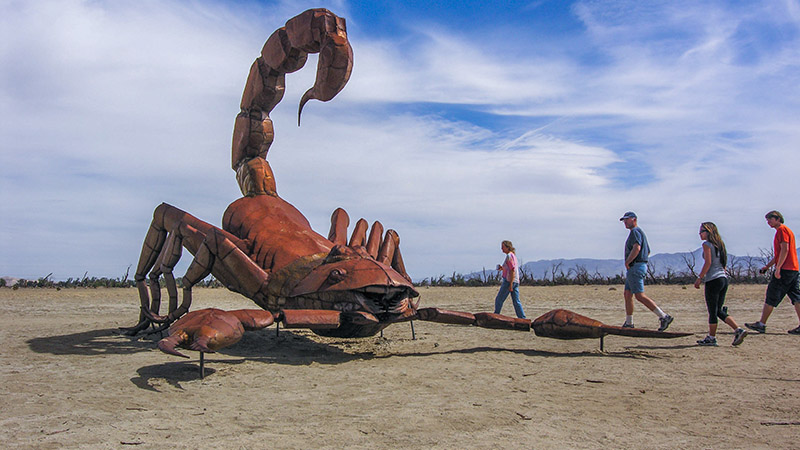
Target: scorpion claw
[
  {"x": 563, "y": 324},
  {"x": 208, "y": 330},
  {"x": 167, "y": 345}
]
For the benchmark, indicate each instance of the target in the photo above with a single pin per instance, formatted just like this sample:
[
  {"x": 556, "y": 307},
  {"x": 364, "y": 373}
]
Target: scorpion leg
[
  {"x": 338, "y": 233},
  {"x": 151, "y": 250},
  {"x": 219, "y": 254},
  {"x": 169, "y": 257},
  {"x": 374, "y": 242},
  {"x": 385, "y": 249},
  {"x": 359, "y": 236},
  {"x": 199, "y": 268},
  {"x": 170, "y": 230},
  {"x": 397, "y": 262},
  {"x": 388, "y": 247},
  {"x": 339, "y": 223},
  {"x": 159, "y": 268},
  {"x": 390, "y": 255}
]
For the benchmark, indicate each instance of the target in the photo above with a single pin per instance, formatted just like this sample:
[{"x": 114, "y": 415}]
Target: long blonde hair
[
  {"x": 509, "y": 246},
  {"x": 716, "y": 241}
]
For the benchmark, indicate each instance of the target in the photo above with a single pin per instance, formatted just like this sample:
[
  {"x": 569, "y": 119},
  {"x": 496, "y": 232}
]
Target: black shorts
[{"x": 786, "y": 285}]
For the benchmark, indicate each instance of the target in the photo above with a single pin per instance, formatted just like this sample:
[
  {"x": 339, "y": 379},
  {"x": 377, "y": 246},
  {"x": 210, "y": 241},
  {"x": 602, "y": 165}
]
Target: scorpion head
[{"x": 349, "y": 279}]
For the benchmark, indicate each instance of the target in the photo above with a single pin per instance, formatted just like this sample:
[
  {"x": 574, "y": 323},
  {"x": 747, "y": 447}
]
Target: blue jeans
[{"x": 503, "y": 294}]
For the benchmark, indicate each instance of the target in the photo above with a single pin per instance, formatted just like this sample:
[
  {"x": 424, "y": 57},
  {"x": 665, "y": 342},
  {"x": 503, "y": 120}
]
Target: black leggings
[{"x": 715, "y": 298}]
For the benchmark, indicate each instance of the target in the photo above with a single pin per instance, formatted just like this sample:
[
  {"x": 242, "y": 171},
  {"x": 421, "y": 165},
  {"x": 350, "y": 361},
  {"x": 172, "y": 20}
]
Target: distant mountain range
[
  {"x": 10, "y": 281},
  {"x": 674, "y": 262},
  {"x": 610, "y": 267}
]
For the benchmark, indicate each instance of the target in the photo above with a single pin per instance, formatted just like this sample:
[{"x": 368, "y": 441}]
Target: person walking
[
  {"x": 713, "y": 274},
  {"x": 637, "y": 251},
  {"x": 785, "y": 278},
  {"x": 510, "y": 284}
]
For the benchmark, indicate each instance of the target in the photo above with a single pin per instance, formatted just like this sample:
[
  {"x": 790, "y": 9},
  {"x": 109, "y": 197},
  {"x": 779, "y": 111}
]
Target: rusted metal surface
[
  {"x": 266, "y": 249},
  {"x": 564, "y": 324},
  {"x": 310, "y": 318},
  {"x": 208, "y": 330}
]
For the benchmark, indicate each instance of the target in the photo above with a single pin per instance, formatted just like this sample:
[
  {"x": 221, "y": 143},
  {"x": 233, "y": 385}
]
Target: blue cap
[{"x": 628, "y": 215}]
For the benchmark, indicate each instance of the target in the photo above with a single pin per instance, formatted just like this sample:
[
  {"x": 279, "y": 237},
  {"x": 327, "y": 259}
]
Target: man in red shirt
[{"x": 785, "y": 278}]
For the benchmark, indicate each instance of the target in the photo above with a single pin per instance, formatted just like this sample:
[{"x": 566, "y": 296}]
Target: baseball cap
[{"x": 628, "y": 215}]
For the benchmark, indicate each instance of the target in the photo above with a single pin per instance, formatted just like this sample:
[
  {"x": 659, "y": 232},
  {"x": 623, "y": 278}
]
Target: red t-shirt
[{"x": 784, "y": 234}]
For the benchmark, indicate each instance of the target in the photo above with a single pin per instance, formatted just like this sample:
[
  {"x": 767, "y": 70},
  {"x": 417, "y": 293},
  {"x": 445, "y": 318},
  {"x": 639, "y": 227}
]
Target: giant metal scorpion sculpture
[{"x": 267, "y": 251}]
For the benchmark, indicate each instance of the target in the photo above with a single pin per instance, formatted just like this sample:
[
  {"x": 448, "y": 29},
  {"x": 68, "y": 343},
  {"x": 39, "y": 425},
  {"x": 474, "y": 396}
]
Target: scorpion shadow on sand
[
  {"x": 269, "y": 347},
  {"x": 94, "y": 342}
]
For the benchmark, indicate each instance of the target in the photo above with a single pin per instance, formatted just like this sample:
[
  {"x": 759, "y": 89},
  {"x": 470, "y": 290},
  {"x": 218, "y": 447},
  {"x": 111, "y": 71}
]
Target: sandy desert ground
[{"x": 69, "y": 381}]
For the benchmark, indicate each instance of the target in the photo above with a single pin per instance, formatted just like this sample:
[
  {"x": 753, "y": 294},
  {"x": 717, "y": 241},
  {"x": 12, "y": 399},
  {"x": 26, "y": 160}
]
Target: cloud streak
[{"x": 457, "y": 139}]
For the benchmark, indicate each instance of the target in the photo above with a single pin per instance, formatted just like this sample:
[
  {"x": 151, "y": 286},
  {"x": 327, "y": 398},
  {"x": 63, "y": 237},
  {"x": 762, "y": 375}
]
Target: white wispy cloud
[{"x": 683, "y": 112}]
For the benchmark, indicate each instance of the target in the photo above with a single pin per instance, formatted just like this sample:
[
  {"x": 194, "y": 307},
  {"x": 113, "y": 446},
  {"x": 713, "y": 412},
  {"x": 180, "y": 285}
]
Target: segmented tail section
[{"x": 286, "y": 51}]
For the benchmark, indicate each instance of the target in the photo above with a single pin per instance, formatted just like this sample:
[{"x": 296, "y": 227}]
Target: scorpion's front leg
[
  {"x": 199, "y": 268},
  {"x": 170, "y": 231},
  {"x": 217, "y": 254}
]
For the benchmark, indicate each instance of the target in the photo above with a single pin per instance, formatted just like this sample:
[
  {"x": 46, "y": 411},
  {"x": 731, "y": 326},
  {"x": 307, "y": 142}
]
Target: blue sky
[{"x": 463, "y": 124}]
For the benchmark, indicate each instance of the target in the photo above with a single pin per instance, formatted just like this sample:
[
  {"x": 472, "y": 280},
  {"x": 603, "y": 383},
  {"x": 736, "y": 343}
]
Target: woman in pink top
[{"x": 510, "y": 284}]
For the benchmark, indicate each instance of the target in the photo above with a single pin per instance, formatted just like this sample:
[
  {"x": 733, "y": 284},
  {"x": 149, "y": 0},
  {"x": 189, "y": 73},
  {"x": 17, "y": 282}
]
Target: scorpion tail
[
  {"x": 334, "y": 65},
  {"x": 286, "y": 51}
]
